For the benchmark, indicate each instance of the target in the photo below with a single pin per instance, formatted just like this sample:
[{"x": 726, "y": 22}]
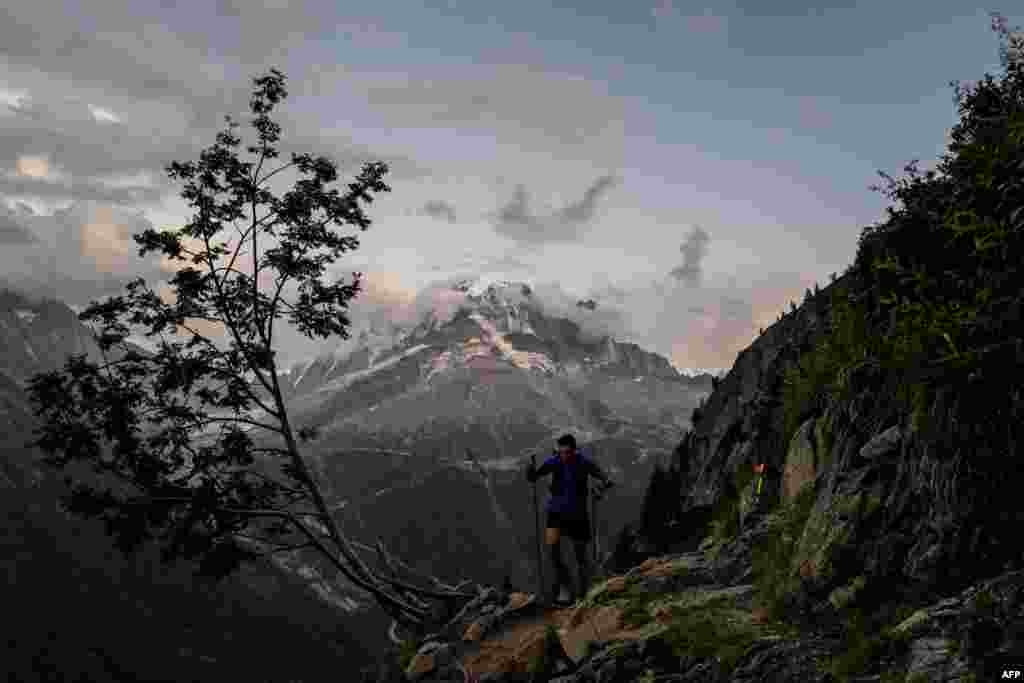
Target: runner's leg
[
  {"x": 552, "y": 536},
  {"x": 582, "y": 565}
]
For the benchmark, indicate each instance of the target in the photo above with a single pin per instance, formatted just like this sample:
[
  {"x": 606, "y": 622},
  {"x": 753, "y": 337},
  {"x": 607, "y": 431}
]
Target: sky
[{"x": 691, "y": 167}]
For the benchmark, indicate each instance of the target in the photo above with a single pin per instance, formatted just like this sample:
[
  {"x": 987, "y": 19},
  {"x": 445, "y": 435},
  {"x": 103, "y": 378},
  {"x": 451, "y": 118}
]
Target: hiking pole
[
  {"x": 593, "y": 523},
  {"x": 536, "y": 516}
]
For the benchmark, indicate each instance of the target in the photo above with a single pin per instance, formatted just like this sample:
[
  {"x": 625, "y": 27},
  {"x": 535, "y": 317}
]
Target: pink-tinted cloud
[
  {"x": 77, "y": 254},
  {"x": 730, "y": 322}
]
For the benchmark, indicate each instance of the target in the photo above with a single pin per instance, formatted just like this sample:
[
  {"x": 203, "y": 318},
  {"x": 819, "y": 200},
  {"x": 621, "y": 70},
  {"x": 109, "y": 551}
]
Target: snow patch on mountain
[
  {"x": 695, "y": 372},
  {"x": 302, "y": 368},
  {"x": 347, "y": 379},
  {"x": 526, "y": 360},
  {"x": 476, "y": 287}
]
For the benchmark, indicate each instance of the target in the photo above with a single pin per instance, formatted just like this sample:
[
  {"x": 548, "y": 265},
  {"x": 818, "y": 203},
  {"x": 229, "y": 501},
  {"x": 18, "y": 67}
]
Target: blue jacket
[{"x": 569, "y": 482}]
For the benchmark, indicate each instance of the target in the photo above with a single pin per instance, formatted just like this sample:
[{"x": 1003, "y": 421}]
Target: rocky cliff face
[
  {"x": 859, "y": 561},
  {"x": 900, "y": 503},
  {"x": 37, "y": 336}
]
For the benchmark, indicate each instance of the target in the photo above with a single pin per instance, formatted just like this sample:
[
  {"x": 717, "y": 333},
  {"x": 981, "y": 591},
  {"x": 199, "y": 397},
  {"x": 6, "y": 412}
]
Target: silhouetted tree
[{"x": 172, "y": 435}]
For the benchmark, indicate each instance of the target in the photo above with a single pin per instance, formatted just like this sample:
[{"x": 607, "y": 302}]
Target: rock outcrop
[
  {"x": 858, "y": 556},
  {"x": 687, "y": 619}
]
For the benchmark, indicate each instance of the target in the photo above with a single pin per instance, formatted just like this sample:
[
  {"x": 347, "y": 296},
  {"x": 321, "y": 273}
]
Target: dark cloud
[
  {"x": 516, "y": 213},
  {"x": 168, "y": 83},
  {"x": 583, "y": 210},
  {"x": 21, "y": 186},
  {"x": 694, "y": 249},
  {"x": 498, "y": 99},
  {"x": 11, "y": 230},
  {"x": 88, "y": 152},
  {"x": 439, "y": 209},
  {"x": 516, "y": 220}
]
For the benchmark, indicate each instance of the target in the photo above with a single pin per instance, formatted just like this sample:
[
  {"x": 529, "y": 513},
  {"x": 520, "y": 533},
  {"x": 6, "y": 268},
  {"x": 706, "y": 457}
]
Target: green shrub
[
  {"x": 863, "y": 651},
  {"x": 825, "y": 370},
  {"x": 406, "y": 651},
  {"x": 983, "y": 601},
  {"x": 637, "y": 610},
  {"x": 773, "y": 556},
  {"x": 725, "y": 518},
  {"x": 708, "y": 631},
  {"x": 543, "y": 662}
]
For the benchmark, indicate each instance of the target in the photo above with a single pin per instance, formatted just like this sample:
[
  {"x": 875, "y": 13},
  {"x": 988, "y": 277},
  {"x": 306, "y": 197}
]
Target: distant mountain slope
[
  {"x": 86, "y": 612},
  {"x": 499, "y": 379}
]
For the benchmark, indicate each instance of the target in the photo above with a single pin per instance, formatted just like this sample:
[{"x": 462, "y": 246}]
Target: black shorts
[{"x": 575, "y": 527}]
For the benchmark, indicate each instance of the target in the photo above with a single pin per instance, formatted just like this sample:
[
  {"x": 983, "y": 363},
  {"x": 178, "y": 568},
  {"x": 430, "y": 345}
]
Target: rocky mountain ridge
[
  {"x": 830, "y": 573},
  {"x": 436, "y": 422},
  {"x": 499, "y": 319}
]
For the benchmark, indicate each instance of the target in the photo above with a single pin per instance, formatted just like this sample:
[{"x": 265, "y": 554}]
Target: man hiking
[{"x": 567, "y": 511}]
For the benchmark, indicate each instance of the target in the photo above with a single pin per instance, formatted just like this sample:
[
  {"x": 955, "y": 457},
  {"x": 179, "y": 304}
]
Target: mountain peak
[{"x": 480, "y": 285}]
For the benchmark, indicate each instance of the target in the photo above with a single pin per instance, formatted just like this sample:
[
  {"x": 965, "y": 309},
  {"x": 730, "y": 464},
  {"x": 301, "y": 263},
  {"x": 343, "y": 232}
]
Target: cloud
[
  {"x": 515, "y": 220},
  {"x": 82, "y": 190},
  {"x": 694, "y": 249},
  {"x": 518, "y": 222},
  {"x": 695, "y": 327},
  {"x": 499, "y": 100},
  {"x": 439, "y": 209},
  {"x": 602, "y": 321},
  {"x": 583, "y": 210},
  {"x": 122, "y": 94},
  {"x": 385, "y": 302},
  {"x": 77, "y": 254},
  {"x": 11, "y": 230},
  {"x": 32, "y": 167}
]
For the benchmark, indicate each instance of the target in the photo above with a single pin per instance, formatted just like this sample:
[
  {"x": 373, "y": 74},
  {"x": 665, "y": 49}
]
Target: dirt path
[
  {"x": 511, "y": 648},
  {"x": 518, "y": 641}
]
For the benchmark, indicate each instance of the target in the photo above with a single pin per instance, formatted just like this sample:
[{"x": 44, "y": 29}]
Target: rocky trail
[
  {"x": 695, "y": 617},
  {"x": 507, "y": 638}
]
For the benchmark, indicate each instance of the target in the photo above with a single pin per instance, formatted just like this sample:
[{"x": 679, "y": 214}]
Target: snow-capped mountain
[
  {"x": 370, "y": 345},
  {"x": 506, "y": 355},
  {"x": 511, "y": 327},
  {"x": 459, "y": 402}
]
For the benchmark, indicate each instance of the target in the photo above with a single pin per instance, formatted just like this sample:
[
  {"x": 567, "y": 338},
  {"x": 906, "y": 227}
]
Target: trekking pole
[
  {"x": 536, "y": 516},
  {"x": 593, "y": 522}
]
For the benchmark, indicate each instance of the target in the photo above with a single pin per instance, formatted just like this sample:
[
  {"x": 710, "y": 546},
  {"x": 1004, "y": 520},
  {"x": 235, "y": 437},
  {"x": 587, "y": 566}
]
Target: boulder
[
  {"x": 518, "y": 601},
  {"x": 649, "y": 564},
  {"x": 801, "y": 466},
  {"x": 421, "y": 664},
  {"x": 474, "y": 632},
  {"x": 881, "y": 445}
]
